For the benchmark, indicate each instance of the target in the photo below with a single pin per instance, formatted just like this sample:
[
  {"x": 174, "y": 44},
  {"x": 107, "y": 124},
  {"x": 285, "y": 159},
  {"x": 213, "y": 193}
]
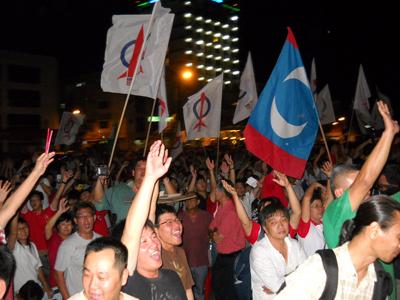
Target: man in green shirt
[{"x": 351, "y": 186}]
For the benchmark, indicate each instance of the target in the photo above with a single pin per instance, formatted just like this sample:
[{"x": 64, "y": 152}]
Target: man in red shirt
[
  {"x": 228, "y": 234},
  {"x": 37, "y": 220}
]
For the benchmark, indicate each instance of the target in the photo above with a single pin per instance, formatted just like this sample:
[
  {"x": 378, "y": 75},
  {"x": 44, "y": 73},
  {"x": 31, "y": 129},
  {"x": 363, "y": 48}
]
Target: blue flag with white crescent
[{"x": 283, "y": 126}]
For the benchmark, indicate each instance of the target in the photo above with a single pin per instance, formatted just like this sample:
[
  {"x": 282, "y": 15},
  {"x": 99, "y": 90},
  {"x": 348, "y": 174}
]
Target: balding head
[{"x": 342, "y": 178}]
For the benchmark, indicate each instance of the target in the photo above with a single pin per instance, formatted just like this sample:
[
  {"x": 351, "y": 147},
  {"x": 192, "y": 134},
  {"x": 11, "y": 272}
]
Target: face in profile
[
  {"x": 149, "y": 258},
  {"x": 102, "y": 278},
  {"x": 140, "y": 170},
  {"x": 277, "y": 226},
  {"x": 387, "y": 242}
]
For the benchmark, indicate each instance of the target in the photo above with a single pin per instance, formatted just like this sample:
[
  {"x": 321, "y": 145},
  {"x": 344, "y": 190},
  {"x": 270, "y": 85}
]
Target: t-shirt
[
  {"x": 338, "y": 212},
  {"x": 311, "y": 236},
  {"x": 227, "y": 222},
  {"x": 118, "y": 200},
  {"x": 28, "y": 264},
  {"x": 195, "y": 237},
  {"x": 167, "y": 286},
  {"x": 70, "y": 260},
  {"x": 81, "y": 296},
  {"x": 53, "y": 244},
  {"x": 102, "y": 223},
  {"x": 37, "y": 222},
  {"x": 175, "y": 260}
]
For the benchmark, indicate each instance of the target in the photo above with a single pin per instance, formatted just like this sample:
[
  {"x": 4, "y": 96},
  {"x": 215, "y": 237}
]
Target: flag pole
[
  {"x": 131, "y": 87},
  {"x": 325, "y": 142},
  {"x": 323, "y": 135},
  {"x": 149, "y": 127}
]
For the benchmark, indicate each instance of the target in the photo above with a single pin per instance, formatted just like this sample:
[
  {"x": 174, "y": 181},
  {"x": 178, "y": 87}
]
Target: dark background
[{"x": 340, "y": 35}]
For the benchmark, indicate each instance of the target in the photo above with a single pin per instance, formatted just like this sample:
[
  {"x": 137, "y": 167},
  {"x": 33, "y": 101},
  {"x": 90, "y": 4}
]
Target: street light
[
  {"x": 186, "y": 74},
  {"x": 76, "y": 112}
]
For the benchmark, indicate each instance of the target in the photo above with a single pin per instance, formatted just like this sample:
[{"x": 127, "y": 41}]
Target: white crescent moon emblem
[{"x": 279, "y": 125}]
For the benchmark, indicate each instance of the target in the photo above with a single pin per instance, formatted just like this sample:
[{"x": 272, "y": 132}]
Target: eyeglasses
[{"x": 170, "y": 222}]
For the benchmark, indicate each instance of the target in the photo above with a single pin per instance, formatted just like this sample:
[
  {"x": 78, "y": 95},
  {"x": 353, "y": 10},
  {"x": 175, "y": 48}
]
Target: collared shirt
[
  {"x": 308, "y": 281},
  {"x": 227, "y": 222},
  {"x": 268, "y": 267}
]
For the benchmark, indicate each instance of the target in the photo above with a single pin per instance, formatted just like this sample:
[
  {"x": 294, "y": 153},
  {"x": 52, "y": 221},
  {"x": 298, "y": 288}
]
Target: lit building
[{"x": 28, "y": 100}]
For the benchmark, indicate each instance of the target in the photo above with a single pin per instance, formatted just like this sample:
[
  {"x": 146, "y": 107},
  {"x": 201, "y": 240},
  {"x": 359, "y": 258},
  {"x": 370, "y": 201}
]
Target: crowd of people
[{"x": 243, "y": 230}]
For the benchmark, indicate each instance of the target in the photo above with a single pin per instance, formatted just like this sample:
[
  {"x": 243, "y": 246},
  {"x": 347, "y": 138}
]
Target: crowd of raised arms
[{"x": 202, "y": 227}]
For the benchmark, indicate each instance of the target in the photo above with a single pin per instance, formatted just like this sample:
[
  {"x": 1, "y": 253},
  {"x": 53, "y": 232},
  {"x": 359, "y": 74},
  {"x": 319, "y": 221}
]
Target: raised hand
[
  {"x": 228, "y": 160},
  {"x": 193, "y": 171},
  {"x": 42, "y": 162},
  {"x": 67, "y": 175},
  {"x": 63, "y": 206},
  {"x": 158, "y": 161},
  {"x": 210, "y": 164},
  {"x": 280, "y": 179},
  {"x": 5, "y": 188},
  {"x": 230, "y": 189},
  {"x": 390, "y": 124},
  {"x": 327, "y": 168}
]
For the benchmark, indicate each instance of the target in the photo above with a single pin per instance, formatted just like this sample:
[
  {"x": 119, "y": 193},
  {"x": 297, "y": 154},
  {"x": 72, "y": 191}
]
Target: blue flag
[{"x": 282, "y": 127}]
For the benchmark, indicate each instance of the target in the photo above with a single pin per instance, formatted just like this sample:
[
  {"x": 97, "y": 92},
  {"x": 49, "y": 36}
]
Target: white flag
[
  {"x": 376, "y": 116},
  {"x": 163, "y": 112},
  {"x": 313, "y": 77},
  {"x": 177, "y": 147},
  {"x": 202, "y": 112},
  {"x": 325, "y": 107},
  {"x": 121, "y": 40},
  {"x": 361, "y": 104},
  {"x": 68, "y": 128},
  {"x": 248, "y": 93}
]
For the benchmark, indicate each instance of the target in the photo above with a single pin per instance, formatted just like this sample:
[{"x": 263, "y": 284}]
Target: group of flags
[{"x": 283, "y": 120}]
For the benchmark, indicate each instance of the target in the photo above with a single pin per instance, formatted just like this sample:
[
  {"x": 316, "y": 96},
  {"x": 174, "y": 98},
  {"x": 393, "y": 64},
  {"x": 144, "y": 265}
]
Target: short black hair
[
  {"x": 36, "y": 193},
  {"x": 118, "y": 229},
  {"x": 31, "y": 291},
  {"x": 83, "y": 205},
  {"x": 269, "y": 200},
  {"x": 103, "y": 243},
  {"x": 67, "y": 216},
  {"x": 7, "y": 264},
  {"x": 163, "y": 209},
  {"x": 269, "y": 210}
]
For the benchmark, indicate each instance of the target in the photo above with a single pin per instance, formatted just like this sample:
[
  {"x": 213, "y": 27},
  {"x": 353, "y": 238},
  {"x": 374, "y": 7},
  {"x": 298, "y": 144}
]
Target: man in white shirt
[
  {"x": 274, "y": 256},
  {"x": 104, "y": 271},
  {"x": 70, "y": 256}
]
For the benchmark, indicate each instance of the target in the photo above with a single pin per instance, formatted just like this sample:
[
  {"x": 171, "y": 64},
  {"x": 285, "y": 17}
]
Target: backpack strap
[
  {"x": 329, "y": 262},
  {"x": 384, "y": 284}
]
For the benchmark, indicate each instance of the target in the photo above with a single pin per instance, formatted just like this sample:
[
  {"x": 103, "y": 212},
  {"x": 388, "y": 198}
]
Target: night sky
[{"x": 339, "y": 36}]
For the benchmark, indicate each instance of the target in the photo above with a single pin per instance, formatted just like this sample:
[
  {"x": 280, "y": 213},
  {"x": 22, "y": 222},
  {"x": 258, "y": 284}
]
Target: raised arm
[
  {"x": 5, "y": 188},
  {"x": 231, "y": 165},
  {"x": 295, "y": 215},
  {"x": 65, "y": 177},
  {"x": 305, "y": 203},
  {"x": 98, "y": 192},
  {"x": 328, "y": 196},
  {"x": 18, "y": 197},
  {"x": 210, "y": 165},
  {"x": 360, "y": 148},
  {"x": 376, "y": 160},
  {"x": 157, "y": 165},
  {"x": 48, "y": 229},
  {"x": 192, "y": 183},
  {"x": 241, "y": 212}
]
